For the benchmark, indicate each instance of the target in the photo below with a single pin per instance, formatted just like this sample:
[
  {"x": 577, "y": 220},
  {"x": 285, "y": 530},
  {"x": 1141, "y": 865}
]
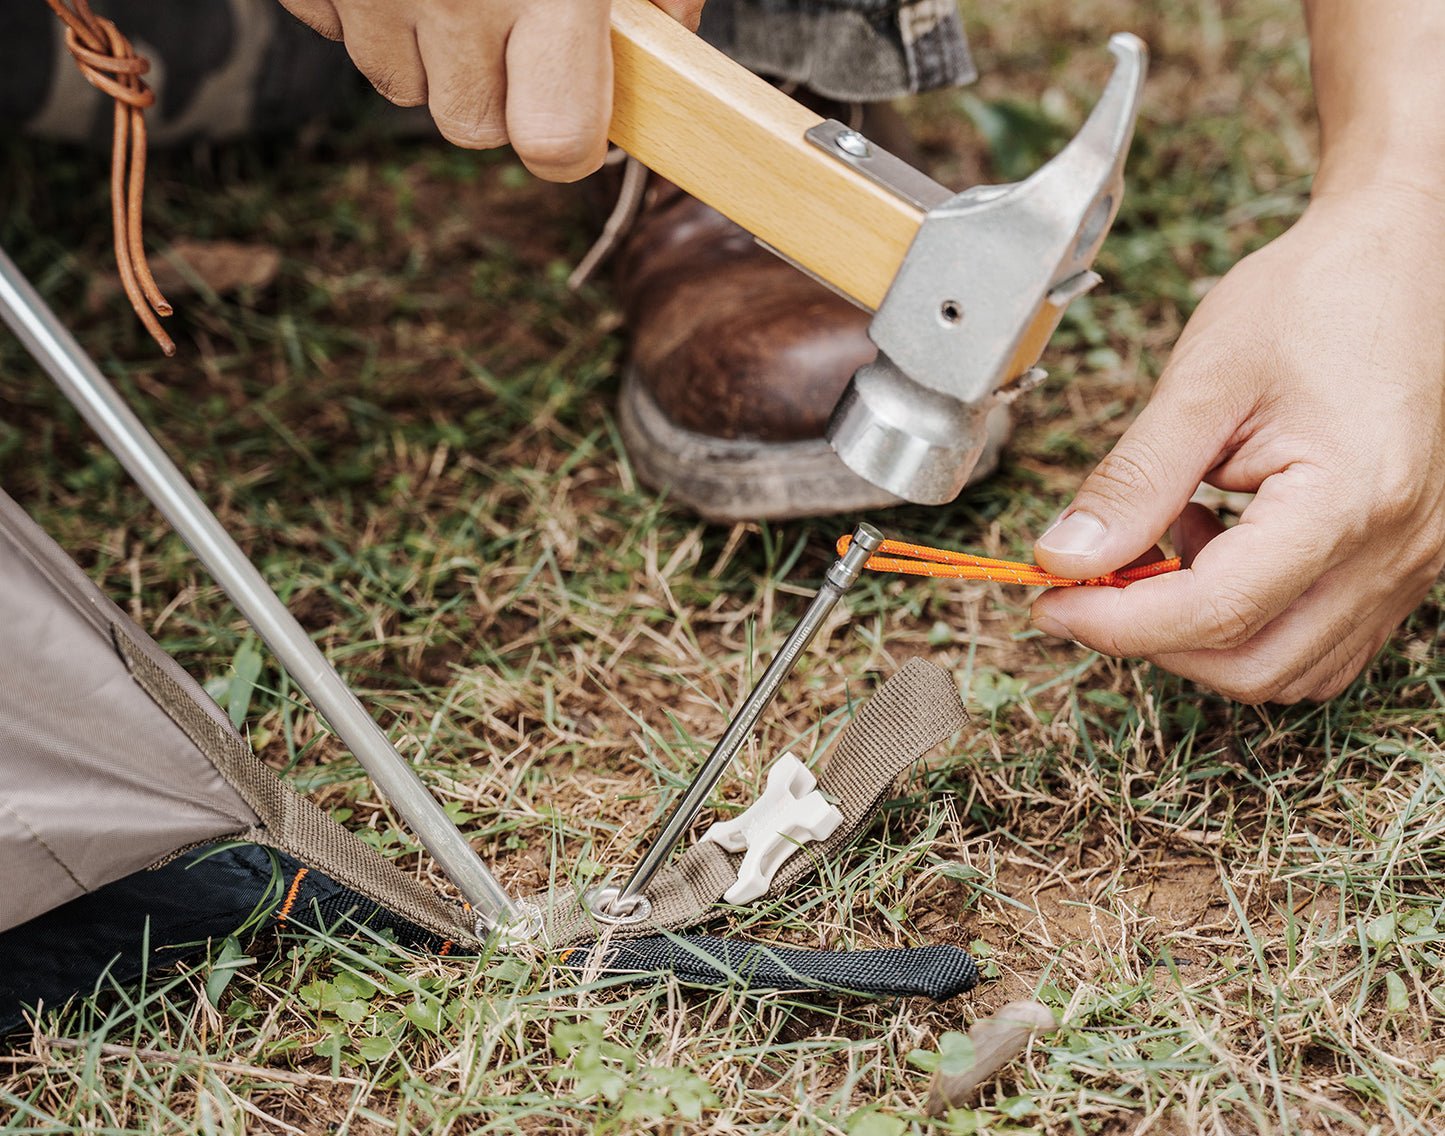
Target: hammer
[{"x": 966, "y": 288}]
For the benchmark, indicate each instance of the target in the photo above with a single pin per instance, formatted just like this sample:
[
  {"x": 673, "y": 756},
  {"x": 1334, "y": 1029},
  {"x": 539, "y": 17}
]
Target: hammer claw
[{"x": 977, "y": 297}]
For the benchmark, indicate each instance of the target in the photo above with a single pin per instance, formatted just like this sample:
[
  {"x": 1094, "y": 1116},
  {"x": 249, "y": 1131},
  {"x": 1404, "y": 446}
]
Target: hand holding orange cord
[{"x": 1313, "y": 377}]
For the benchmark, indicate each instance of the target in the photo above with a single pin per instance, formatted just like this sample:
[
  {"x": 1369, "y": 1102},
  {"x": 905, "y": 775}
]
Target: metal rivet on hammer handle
[{"x": 842, "y": 575}]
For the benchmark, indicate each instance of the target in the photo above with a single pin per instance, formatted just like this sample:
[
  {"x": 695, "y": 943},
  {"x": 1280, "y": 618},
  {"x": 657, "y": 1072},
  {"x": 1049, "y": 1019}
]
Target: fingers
[
  {"x": 1314, "y": 652},
  {"x": 540, "y": 79},
  {"x": 1311, "y": 376},
  {"x": 1236, "y": 584},
  {"x": 1329, "y": 676},
  {"x": 559, "y": 89},
  {"x": 685, "y": 12},
  {"x": 462, "y": 59},
  {"x": 318, "y": 15},
  {"x": 1134, "y": 494},
  {"x": 1328, "y": 625},
  {"x": 535, "y": 73},
  {"x": 1285, "y": 663},
  {"x": 382, "y": 42},
  {"x": 1329, "y": 660}
]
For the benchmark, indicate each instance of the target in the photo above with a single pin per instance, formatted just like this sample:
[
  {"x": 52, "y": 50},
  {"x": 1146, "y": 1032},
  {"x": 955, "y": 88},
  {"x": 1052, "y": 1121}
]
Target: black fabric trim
[
  {"x": 96, "y": 942},
  {"x": 321, "y": 902}
]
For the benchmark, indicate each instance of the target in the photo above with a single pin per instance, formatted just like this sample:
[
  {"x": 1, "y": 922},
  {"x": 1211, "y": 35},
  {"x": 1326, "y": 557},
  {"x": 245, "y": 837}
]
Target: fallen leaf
[{"x": 223, "y": 266}]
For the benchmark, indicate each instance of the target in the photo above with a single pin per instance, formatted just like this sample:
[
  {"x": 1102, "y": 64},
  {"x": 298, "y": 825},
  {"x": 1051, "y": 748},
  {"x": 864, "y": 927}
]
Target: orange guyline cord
[
  {"x": 107, "y": 60},
  {"x": 919, "y": 560}
]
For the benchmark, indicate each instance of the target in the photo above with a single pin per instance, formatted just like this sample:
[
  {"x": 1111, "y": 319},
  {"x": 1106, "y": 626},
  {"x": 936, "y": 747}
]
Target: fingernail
[
  {"x": 1074, "y": 534},
  {"x": 1051, "y": 627}
]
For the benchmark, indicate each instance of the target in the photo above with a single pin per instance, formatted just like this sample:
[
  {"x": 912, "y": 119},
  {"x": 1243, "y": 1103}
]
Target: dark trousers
[{"x": 228, "y": 68}]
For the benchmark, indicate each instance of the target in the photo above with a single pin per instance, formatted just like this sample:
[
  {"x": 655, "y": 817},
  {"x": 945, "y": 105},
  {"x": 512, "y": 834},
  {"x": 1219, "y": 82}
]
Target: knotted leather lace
[{"x": 108, "y": 62}]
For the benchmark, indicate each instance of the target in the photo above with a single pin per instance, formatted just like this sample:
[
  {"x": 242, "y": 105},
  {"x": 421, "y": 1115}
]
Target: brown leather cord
[{"x": 108, "y": 62}]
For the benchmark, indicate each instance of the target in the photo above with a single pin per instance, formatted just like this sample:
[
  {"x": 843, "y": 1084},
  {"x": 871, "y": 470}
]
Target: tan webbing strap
[
  {"x": 289, "y": 822},
  {"x": 912, "y": 712}
]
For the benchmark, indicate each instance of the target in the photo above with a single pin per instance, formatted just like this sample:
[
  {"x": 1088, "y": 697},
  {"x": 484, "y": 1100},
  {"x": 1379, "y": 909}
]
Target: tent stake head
[
  {"x": 525, "y": 927},
  {"x": 600, "y": 902}
]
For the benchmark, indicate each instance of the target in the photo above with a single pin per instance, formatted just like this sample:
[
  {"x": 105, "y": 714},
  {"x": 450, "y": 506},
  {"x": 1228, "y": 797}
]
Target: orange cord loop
[
  {"x": 109, "y": 63},
  {"x": 920, "y": 560}
]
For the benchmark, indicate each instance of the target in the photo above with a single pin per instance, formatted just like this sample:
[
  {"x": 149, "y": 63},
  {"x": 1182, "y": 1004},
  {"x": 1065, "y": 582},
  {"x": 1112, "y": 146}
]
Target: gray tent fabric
[
  {"x": 113, "y": 759},
  {"x": 289, "y": 822},
  {"x": 96, "y": 781}
]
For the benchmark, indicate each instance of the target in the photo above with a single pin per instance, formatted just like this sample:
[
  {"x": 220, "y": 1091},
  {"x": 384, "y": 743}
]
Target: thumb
[
  {"x": 1137, "y": 491},
  {"x": 686, "y": 12}
]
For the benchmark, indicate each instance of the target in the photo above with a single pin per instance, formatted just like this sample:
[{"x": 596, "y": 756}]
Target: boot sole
[{"x": 729, "y": 480}]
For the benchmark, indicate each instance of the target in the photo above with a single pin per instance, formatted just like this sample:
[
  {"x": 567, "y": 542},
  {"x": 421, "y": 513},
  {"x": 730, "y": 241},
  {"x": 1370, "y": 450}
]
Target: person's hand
[
  {"x": 1313, "y": 374},
  {"x": 535, "y": 73}
]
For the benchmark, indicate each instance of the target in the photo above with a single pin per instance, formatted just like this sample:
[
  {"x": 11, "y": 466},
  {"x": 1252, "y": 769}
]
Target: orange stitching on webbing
[
  {"x": 924, "y": 561},
  {"x": 109, "y": 63},
  {"x": 291, "y": 895},
  {"x": 445, "y": 947}
]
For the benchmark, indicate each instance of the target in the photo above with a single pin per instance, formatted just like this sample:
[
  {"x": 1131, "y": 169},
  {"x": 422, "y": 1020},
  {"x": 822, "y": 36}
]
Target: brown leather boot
[{"x": 737, "y": 359}]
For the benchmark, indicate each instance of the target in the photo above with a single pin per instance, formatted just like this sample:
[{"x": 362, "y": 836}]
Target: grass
[{"x": 1234, "y": 911}]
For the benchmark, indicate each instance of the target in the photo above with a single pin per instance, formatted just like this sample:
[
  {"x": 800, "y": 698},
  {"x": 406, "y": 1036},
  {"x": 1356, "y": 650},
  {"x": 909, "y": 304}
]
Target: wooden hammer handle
[{"x": 733, "y": 140}]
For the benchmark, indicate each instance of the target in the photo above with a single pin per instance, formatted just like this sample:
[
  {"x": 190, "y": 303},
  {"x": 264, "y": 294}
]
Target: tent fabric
[
  {"x": 113, "y": 759},
  {"x": 291, "y": 823},
  {"x": 96, "y": 782},
  {"x": 137, "y": 925}
]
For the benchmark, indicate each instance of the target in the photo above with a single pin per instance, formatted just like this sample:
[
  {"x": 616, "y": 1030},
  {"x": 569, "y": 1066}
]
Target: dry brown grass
[{"x": 1235, "y": 912}]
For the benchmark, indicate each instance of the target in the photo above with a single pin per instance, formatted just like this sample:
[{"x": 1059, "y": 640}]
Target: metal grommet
[
  {"x": 523, "y": 929},
  {"x": 599, "y": 902}
]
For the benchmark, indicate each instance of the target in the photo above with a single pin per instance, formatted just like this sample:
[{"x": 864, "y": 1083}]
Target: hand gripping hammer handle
[{"x": 733, "y": 140}]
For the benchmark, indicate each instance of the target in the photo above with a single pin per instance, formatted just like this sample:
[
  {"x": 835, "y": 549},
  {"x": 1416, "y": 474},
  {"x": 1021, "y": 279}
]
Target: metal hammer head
[{"x": 978, "y": 295}]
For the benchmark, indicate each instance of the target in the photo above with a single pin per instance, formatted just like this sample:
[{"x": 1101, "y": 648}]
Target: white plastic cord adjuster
[{"x": 790, "y": 812}]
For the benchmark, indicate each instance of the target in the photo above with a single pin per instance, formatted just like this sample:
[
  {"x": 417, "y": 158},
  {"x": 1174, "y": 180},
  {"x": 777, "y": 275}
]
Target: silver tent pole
[{"x": 162, "y": 481}]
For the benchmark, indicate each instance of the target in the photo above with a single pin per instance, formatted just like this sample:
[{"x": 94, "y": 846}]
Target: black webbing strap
[{"x": 939, "y": 971}]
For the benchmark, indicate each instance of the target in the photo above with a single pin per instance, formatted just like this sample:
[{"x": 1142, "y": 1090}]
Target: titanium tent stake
[
  {"x": 143, "y": 458},
  {"x": 629, "y": 905}
]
